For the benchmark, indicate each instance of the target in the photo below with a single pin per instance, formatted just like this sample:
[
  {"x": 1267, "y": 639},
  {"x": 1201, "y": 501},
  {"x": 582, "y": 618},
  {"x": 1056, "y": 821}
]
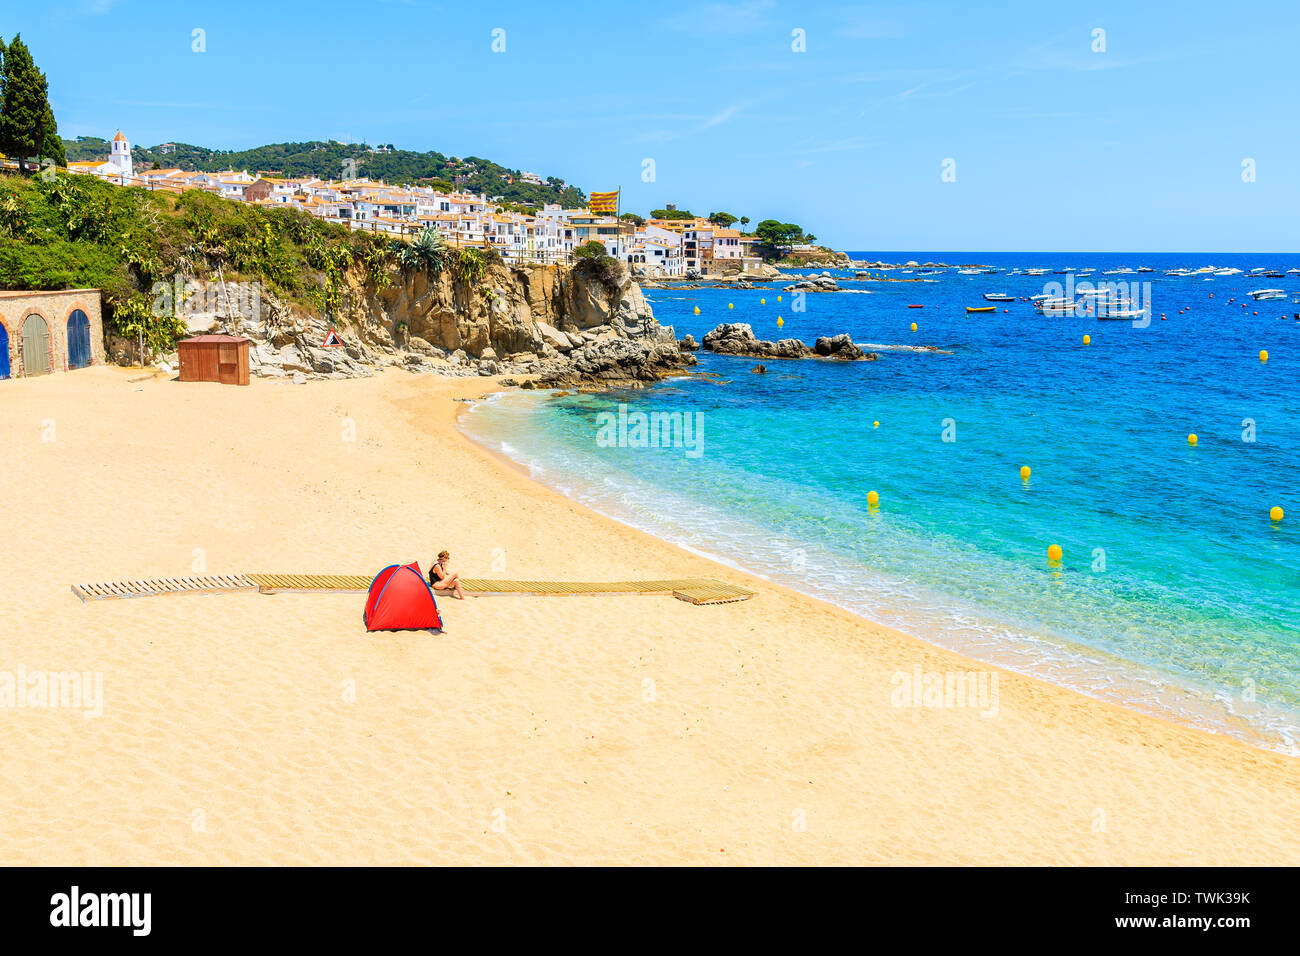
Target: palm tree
[{"x": 427, "y": 251}]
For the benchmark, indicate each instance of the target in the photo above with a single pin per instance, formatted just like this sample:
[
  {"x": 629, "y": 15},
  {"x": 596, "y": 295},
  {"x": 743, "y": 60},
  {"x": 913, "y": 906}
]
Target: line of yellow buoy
[{"x": 1054, "y": 552}]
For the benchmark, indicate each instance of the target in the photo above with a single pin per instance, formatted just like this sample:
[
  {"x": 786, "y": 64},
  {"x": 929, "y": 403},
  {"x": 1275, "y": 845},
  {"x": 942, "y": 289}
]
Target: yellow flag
[{"x": 604, "y": 202}]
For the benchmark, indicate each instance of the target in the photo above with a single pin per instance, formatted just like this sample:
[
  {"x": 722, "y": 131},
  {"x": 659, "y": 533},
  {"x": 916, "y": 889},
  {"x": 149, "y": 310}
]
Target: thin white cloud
[
  {"x": 690, "y": 124},
  {"x": 745, "y": 16}
]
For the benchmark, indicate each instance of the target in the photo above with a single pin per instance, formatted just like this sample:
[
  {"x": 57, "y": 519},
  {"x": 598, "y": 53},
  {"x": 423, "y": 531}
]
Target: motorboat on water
[
  {"x": 1145, "y": 269},
  {"x": 998, "y": 297},
  {"x": 1056, "y": 305},
  {"x": 1227, "y": 272},
  {"x": 1119, "y": 272},
  {"x": 1263, "y": 295},
  {"x": 969, "y": 272}
]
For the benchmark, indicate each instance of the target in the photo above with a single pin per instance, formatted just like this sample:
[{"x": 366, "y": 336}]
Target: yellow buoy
[
  {"x": 778, "y": 298},
  {"x": 762, "y": 301},
  {"x": 873, "y": 498},
  {"x": 1024, "y": 472},
  {"x": 779, "y": 321},
  {"x": 1087, "y": 340},
  {"x": 1191, "y": 439},
  {"x": 875, "y": 424},
  {"x": 697, "y": 310},
  {"x": 1263, "y": 355},
  {"x": 1275, "y": 513},
  {"x": 913, "y": 326},
  {"x": 1054, "y": 552},
  {"x": 730, "y": 305}
]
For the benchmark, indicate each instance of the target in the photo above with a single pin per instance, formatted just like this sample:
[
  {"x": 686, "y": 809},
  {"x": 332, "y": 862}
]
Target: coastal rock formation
[
  {"x": 821, "y": 283},
  {"x": 687, "y": 343},
  {"x": 737, "y": 338},
  {"x": 559, "y": 324},
  {"x": 840, "y": 347}
]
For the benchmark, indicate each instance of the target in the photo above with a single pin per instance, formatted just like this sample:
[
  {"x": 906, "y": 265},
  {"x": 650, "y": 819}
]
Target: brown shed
[{"x": 214, "y": 358}]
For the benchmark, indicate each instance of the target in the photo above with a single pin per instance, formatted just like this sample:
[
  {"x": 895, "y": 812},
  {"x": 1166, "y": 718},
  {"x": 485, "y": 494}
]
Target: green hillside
[
  {"x": 330, "y": 160},
  {"x": 73, "y": 232}
]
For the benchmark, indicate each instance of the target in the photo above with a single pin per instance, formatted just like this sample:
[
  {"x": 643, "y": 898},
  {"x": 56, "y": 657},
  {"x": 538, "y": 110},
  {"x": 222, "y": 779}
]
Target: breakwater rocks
[{"x": 737, "y": 338}]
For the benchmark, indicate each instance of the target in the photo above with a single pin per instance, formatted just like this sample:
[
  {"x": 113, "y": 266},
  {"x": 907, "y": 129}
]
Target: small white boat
[
  {"x": 1035, "y": 272},
  {"x": 1293, "y": 272},
  {"x": 1178, "y": 273},
  {"x": 1103, "y": 314},
  {"x": 1263, "y": 295},
  {"x": 998, "y": 297},
  {"x": 1056, "y": 306},
  {"x": 1145, "y": 269},
  {"x": 969, "y": 272},
  {"x": 1118, "y": 272},
  {"x": 1227, "y": 272}
]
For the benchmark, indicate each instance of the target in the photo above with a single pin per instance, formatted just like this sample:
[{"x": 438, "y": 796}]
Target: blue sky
[{"x": 1054, "y": 146}]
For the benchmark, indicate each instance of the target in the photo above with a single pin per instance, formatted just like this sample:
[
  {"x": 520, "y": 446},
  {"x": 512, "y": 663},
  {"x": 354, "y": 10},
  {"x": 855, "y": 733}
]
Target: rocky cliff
[{"x": 580, "y": 327}]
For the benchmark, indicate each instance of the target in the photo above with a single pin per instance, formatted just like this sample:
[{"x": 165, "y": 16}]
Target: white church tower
[{"x": 121, "y": 155}]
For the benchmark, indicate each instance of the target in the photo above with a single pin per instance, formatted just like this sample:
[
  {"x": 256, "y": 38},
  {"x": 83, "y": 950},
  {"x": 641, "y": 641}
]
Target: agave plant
[{"x": 427, "y": 251}]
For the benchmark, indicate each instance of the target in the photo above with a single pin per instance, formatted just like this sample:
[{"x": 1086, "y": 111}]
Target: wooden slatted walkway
[
  {"x": 206, "y": 584},
  {"x": 692, "y": 590}
]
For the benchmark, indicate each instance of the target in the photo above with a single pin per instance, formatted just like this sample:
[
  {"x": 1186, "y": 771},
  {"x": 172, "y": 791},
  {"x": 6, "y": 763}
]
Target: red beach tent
[{"x": 400, "y": 599}]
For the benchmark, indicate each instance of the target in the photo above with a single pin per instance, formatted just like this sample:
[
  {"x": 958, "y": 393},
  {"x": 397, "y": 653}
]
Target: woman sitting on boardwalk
[{"x": 443, "y": 580}]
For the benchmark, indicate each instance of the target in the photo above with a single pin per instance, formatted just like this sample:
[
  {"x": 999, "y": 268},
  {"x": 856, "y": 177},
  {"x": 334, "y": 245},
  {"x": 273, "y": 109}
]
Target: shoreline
[
  {"x": 1244, "y": 733},
  {"x": 602, "y": 730}
]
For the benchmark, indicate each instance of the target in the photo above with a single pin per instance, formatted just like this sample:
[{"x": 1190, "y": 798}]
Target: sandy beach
[{"x": 260, "y": 729}]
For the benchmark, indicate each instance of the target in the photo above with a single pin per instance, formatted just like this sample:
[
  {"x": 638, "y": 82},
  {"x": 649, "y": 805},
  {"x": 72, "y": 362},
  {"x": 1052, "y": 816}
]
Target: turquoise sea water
[{"x": 1177, "y": 594}]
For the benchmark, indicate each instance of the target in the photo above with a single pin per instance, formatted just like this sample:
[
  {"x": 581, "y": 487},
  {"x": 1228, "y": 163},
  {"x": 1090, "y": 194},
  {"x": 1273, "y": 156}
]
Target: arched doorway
[
  {"x": 36, "y": 346},
  {"x": 78, "y": 339},
  {"x": 4, "y": 351}
]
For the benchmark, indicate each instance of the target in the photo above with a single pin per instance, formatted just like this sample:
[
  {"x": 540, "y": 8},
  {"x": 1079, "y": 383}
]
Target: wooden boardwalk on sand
[{"x": 692, "y": 590}]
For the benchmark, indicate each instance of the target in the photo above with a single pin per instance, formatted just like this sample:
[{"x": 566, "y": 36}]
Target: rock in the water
[
  {"x": 737, "y": 338},
  {"x": 759, "y": 369},
  {"x": 838, "y": 346},
  {"x": 688, "y": 344}
]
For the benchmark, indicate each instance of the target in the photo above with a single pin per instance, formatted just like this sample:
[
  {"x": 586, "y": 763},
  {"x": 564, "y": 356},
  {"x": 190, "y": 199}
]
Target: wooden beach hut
[{"x": 214, "y": 358}]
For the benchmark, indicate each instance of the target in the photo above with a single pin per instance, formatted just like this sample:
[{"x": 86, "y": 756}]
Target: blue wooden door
[
  {"x": 78, "y": 340},
  {"x": 4, "y": 351}
]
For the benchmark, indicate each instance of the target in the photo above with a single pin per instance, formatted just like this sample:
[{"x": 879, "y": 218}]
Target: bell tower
[{"x": 121, "y": 154}]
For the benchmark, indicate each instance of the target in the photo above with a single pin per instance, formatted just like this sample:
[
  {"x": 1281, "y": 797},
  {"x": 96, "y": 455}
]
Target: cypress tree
[{"x": 27, "y": 126}]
